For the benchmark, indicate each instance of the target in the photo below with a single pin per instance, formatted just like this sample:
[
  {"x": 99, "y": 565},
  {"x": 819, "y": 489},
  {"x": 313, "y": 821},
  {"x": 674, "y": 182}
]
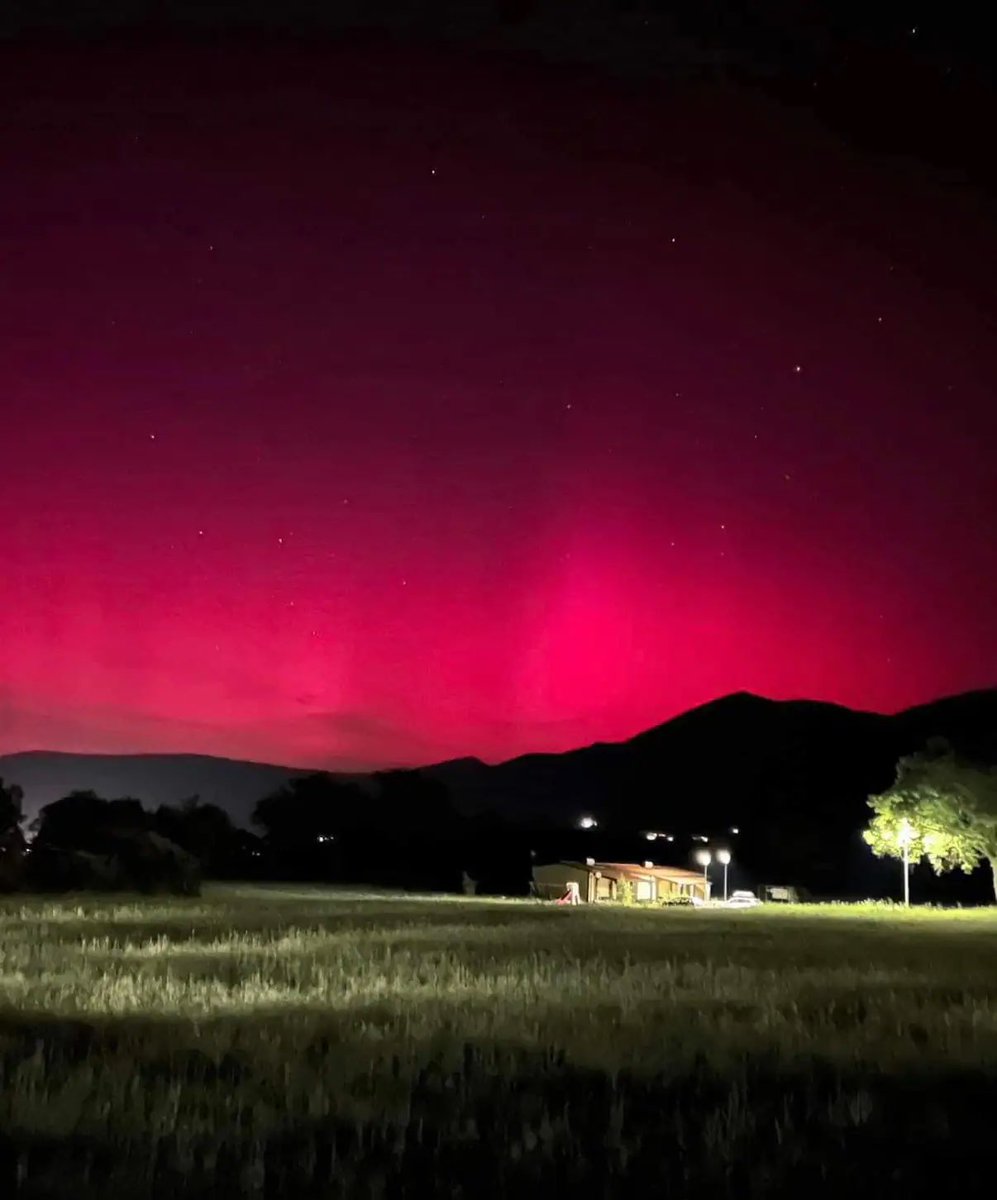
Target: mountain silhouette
[{"x": 791, "y": 776}]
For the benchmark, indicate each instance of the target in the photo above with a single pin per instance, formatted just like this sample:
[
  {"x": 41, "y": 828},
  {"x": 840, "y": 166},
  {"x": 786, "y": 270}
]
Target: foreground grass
[{"x": 299, "y": 1041}]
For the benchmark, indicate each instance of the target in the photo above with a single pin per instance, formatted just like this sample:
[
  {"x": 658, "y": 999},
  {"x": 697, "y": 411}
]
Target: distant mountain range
[
  {"x": 154, "y": 779},
  {"x": 793, "y": 776}
]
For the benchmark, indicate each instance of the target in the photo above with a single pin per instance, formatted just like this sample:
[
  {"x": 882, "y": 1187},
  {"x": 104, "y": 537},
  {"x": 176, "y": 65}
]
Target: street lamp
[
  {"x": 723, "y": 856},
  {"x": 704, "y": 858},
  {"x": 905, "y": 837},
  {"x": 587, "y": 822}
]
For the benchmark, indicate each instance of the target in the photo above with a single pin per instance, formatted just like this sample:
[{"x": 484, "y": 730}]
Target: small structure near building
[
  {"x": 782, "y": 893},
  {"x": 595, "y": 881},
  {"x": 571, "y": 894}
]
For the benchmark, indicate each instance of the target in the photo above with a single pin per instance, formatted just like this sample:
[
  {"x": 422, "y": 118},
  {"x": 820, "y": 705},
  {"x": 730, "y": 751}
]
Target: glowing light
[
  {"x": 703, "y": 857},
  {"x": 723, "y": 856},
  {"x": 587, "y": 823}
]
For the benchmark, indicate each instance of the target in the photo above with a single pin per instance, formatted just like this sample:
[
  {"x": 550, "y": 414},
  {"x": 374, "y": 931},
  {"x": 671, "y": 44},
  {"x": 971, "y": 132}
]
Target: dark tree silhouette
[
  {"x": 309, "y": 808},
  {"x": 412, "y": 802},
  {"x": 207, "y": 832},
  {"x": 85, "y": 842},
  {"x": 11, "y": 814},
  {"x": 12, "y": 843},
  {"x": 78, "y": 821},
  {"x": 397, "y": 829}
]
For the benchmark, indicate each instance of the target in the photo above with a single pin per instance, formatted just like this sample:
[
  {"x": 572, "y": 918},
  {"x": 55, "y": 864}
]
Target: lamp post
[
  {"x": 704, "y": 858},
  {"x": 906, "y": 836},
  {"x": 723, "y": 856}
]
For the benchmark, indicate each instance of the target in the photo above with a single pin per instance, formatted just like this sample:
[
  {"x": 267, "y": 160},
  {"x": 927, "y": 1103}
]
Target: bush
[{"x": 134, "y": 861}]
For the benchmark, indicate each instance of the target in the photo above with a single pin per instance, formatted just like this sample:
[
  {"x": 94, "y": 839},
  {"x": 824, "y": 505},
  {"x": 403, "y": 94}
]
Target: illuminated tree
[{"x": 941, "y": 808}]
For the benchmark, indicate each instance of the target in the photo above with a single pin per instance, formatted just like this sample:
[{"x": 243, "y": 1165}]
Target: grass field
[{"x": 295, "y": 1041}]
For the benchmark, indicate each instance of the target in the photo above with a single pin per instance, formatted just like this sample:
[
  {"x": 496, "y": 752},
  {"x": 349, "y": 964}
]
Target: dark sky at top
[{"x": 414, "y": 381}]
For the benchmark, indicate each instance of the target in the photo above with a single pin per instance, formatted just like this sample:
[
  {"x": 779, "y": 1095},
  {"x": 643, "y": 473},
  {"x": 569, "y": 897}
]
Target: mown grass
[{"x": 295, "y": 1041}]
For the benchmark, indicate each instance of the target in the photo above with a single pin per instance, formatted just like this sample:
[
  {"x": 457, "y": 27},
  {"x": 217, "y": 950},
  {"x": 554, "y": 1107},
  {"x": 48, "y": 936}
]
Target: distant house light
[
  {"x": 325, "y": 837},
  {"x": 587, "y": 822},
  {"x": 734, "y": 830},
  {"x": 590, "y": 862},
  {"x": 698, "y": 837},
  {"x": 650, "y": 836},
  {"x": 649, "y": 864}
]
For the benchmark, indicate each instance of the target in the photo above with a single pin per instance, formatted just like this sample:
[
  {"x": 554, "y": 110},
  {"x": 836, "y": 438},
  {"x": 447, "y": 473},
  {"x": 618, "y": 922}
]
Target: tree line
[
  {"x": 396, "y": 829},
  {"x": 85, "y": 842}
]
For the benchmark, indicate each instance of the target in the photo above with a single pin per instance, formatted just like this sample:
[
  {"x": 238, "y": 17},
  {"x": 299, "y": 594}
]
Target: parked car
[{"x": 743, "y": 899}]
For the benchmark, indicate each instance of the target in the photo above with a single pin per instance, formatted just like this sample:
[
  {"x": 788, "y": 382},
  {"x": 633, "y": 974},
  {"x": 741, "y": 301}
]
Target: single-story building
[{"x": 601, "y": 881}]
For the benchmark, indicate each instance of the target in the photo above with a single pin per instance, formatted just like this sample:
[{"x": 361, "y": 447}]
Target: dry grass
[{"x": 186, "y": 1044}]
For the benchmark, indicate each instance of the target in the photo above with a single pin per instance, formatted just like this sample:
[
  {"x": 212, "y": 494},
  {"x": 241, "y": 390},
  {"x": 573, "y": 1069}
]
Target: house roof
[{"x": 638, "y": 870}]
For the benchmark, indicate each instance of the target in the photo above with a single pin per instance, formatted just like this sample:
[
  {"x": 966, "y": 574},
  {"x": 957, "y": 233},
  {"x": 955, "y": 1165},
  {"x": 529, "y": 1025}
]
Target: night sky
[{"x": 369, "y": 402}]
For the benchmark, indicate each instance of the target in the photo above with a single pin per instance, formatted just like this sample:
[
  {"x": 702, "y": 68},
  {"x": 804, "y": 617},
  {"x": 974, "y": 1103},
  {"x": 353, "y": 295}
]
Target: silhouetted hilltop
[{"x": 154, "y": 779}]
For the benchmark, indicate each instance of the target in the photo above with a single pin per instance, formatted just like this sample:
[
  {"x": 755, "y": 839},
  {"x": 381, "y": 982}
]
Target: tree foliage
[
  {"x": 207, "y": 832},
  {"x": 10, "y": 807},
  {"x": 944, "y": 806},
  {"x": 12, "y": 844},
  {"x": 83, "y": 841}
]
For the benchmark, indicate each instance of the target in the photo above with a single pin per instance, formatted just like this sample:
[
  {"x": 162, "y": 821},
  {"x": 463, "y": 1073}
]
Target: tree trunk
[{"x": 993, "y": 874}]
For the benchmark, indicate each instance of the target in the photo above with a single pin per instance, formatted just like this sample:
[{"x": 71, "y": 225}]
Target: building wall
[
  {"x": 551, "y": 880},
  {"x": 683, "y": 887}
]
